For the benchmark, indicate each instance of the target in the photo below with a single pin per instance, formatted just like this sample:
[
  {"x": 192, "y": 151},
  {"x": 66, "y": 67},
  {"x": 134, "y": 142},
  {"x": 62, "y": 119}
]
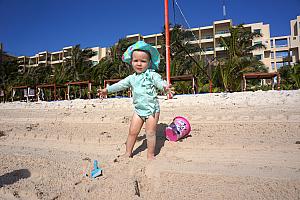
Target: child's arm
[
  {"x": 162, "y": 84},
  {"x": 119, "y": 86}
]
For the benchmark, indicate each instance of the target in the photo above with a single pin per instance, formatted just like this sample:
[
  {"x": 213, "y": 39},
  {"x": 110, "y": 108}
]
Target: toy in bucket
[{"x": 179, "y": 128}]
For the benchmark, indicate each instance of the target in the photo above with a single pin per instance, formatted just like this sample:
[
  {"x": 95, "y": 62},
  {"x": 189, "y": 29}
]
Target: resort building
[
  {"x": 279, "y": 51},
  {"x": 58, "y": 57}
]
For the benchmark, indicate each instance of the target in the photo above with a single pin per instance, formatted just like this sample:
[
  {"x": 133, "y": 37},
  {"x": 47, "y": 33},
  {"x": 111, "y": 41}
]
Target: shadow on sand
[
  {"x": 14, "y": 176},
  {"x": 160, "y": 140}
]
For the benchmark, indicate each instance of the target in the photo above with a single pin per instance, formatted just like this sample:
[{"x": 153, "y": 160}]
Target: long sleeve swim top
[{"x": 143, "y": 88}]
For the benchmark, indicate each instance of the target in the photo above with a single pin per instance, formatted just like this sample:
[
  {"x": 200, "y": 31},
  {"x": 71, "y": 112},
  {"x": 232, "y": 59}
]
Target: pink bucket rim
[{"x": 185, "y": 119}]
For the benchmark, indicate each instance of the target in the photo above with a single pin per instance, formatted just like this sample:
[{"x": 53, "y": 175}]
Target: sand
[{"x": 242, "y": 146}]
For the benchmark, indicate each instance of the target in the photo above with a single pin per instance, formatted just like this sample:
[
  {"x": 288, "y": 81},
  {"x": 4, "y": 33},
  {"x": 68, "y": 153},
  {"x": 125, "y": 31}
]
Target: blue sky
[{"x": 30, "y": 26}]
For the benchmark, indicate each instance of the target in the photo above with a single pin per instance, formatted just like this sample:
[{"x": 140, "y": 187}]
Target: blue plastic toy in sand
[{"x": 96, "y": 170}]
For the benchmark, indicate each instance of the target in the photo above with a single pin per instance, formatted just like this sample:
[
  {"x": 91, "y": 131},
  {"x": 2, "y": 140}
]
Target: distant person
[{"x": 145, "y": 60}]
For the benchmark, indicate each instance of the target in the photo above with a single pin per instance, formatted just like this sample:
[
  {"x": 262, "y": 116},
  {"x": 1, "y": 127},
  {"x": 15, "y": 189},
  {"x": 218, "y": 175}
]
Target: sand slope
[{"x": 242, "y": 146}]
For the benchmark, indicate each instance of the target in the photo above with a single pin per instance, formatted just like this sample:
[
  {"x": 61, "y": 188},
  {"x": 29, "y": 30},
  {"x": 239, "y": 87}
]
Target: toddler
[{"x": 145, "y": 60}]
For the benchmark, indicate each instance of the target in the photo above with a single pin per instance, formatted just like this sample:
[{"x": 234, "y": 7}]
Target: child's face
[{"x": 140, "y": 61}]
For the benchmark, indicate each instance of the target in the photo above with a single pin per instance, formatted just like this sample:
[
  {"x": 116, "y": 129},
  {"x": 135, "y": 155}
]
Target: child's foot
[{"x": 150, "y": 157}]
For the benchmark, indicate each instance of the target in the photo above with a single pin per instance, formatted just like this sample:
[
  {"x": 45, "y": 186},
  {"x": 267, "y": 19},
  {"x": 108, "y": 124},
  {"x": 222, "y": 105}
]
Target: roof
[
  {"x": 78, "y": 83},
  {"x": 20, "y": 87},
  {"x": 260, "y": 75},
  {"x": 182, "y": 77},
  {"x": 49, "y": 85}
]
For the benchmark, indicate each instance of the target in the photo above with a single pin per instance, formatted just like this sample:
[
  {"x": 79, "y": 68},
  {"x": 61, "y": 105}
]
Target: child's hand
[
  {"x": 169, "y": 89},
  {"x": 102, "y": 92}
]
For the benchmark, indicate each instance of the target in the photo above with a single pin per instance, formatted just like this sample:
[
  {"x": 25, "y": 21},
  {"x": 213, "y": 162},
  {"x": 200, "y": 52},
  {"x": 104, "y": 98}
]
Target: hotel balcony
[
  {"x": 33, "y": 61},
  {"x": 33, "y": 65},
  {"x": 134, "y": 37},
  {"x": 207, "y": 38},
  {"x": 280, "y": 43},
  {"x": 219, "y": 48},
  {"x": 66, "y": 57},
  {"x": 223, "y": 33},
  {"x": 280, "y": 48},
  {"x": 56, "y": 62},
  {"x": 282, "y": 59},
  {"x": 207, "y": 50},
  {"x": 151, "y": 39},
  {"x": 67, "y": 51},
  {"x": 23, "y": 60},
  {"x": 195, "y": 54},
  {"x": 194, "y": 41},
  {"x": 44, "y": 57},
  {"x": 56, "y": 57},
  {"x": 206, "y": 34}
]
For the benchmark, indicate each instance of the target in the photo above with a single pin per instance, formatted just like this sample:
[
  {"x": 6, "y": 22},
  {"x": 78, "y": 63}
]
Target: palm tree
[
  {"x": 115, "y": 57},
  {"x": 41, "y": 74},
  {"x": 239, "y": 58},
  {"x": 296, "y": 76},
  {"x": 9, "y": 75},
  {"x": 8, "y": 72},
  {"x": 290, "y": 76},
  {"x": 77, "y": 65},
  {"x": 112, "y": 67},
  {"x": 183, "y": 57},
  {"x": 180, "y": 48},
  {"x": 102, "y": 71}
]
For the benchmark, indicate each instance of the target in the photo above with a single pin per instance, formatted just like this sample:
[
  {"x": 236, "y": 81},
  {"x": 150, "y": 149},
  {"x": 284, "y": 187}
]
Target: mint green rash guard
[{"x": 144, "y": 93}]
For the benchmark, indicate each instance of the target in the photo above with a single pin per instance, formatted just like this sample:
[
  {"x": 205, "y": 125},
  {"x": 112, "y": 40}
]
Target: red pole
[{"x": 167, "y": 44}]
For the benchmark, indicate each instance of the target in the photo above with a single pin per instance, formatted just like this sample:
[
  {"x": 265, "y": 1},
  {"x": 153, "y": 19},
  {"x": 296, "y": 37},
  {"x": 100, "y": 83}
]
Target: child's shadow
[
  {"x": 14, "y": 176},
  {"x": 160, "y": 140}
]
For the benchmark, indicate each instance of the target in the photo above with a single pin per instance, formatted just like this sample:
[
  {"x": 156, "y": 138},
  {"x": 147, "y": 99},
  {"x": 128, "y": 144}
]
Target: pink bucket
[{"x": 179, "y": 128}]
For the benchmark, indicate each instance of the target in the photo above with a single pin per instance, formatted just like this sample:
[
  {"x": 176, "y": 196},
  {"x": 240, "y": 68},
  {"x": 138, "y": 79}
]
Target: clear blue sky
[{"x": 30, "y": 26}]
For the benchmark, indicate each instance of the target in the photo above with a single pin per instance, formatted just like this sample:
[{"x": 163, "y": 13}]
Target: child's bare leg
[
  {"x": 134, "y": 129},
  {"x": 151, "y": 124}
]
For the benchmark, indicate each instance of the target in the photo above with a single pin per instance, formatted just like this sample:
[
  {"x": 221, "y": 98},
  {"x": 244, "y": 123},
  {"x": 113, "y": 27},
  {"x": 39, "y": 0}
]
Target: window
[
  {"x": 267, "y": 54},
  {"x": 280, "y": 64},
  {"x": 222, "y": 32},
  {"x": 281, "y": 42},
  {"x": 272, "y": 54},
  {"x": 207, "y": 37},
  {"x": 282, "y": 54},
  {"x": 273, "y": 65},
  {"x": 208, "y": 49},
  {"x": 257, "y": 31},
  {"x": 258, "y": 57},
  {"x": 272, "y": 43}
]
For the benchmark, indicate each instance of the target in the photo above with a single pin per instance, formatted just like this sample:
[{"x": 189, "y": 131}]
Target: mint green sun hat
[{"x": 141, "y": 45}]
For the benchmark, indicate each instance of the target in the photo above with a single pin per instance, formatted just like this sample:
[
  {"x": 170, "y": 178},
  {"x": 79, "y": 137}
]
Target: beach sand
[{"x": 242, "y": 146}]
